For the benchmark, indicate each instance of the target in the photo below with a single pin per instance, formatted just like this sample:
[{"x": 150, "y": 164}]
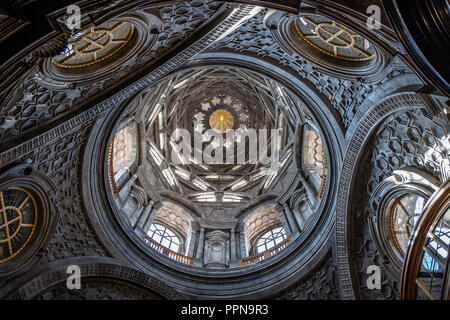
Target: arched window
[
  {"x": 270, "y": 239},
  {"x": 403, "y": 217},
  {"x": 164, "y": 236}
]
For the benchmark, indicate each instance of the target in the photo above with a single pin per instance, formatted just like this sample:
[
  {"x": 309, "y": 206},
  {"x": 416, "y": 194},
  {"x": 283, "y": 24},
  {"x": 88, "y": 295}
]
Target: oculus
[
  {"x": 221, "y": 121},
  {"x": 18, "y": 219},
  {"x": 404, "y": 215},
  {"x": 335, "y": 49},
  {"x": 95, "y": 45},
  {"x": 333, "y": 39}
]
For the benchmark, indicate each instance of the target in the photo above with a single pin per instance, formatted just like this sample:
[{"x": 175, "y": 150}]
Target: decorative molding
[
  {"x": 42, "y": 191},
  {"x": 409, "y": 140},
  {"x": 366, "y": 127},
  {"x": 41, "y": 91}
]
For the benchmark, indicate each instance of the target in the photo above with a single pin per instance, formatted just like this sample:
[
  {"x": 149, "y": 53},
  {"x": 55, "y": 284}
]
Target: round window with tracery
[
  {"x": 95, "y": 45},
  {"x": 18, "y": 219},
  {"x": 221, "y": 113},
  {"x": 221, "y": 120},
  {"x": 331, "y": 38},
  {"x": 404, "y": 214}
]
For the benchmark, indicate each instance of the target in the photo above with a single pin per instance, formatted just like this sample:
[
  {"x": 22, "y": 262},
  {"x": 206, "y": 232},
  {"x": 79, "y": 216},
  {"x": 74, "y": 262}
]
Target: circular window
[
  {"x": 18, "y": 219},
  {"x": 333, "y": 39},
  {"x": 221, "y": 112},
  {"x": 100, "y": 52},
  {"x": 332, "y": 46},
  {"x": 95, "y": 45},
  {"x": 403, "y": 217}
]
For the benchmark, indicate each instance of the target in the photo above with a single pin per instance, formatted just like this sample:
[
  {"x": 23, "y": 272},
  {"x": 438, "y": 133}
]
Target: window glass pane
[
  {"x": 157, "y": 238},
  {"x": 164, "y": 236},
  {"x": 429, "y": 263},
  {"x": 270, "y": 239},
  {"x": 170, "y": 233},
  {"x": 405, "y": 213},
  {"x": 174, "y": 247},
  {"x": 165, "y": 243}
]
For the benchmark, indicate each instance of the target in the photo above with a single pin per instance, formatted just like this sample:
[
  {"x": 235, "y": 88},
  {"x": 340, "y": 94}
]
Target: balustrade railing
[
  {"x": 266, "y": 254},
  {"x": 324, "y": 181},
  {"x": 112, "y": 180},
  {"x": 242, "y": 262},
  {"x": 167, "y": 252}
]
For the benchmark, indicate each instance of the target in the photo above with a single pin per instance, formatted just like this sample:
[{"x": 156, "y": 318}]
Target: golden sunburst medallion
[{"x": 221, "y": 120}]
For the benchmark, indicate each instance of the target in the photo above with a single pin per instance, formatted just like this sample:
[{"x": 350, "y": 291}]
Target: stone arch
[
  {"x": 259, "y": 221},
  {"x": 403, "y": 182},
  {"x": 379, "y": 112},
  {"x": 44, "y": 278},
  {"x": 177, "y": 219}
]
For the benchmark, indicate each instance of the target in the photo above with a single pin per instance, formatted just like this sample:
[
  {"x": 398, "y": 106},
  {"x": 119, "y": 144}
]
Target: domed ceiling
[
  {"x": 229, "y": 150},
  {"x": 217, "y": 146}
]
